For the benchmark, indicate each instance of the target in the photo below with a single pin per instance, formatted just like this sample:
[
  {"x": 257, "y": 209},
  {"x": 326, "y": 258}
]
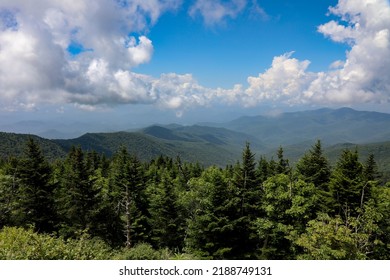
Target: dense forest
[{"x": 88, "y": 206}]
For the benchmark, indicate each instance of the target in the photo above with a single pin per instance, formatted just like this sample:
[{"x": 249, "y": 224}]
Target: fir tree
[
  {"x": 77, "y": 198},
  {"x": 129, "y": 192},
  {"x": 166, "y": 221},
  {"x": 249, "y": 193},
  {"x": 370, "y": 169},
  {"x": 263, "y": 170},
  {"x": 214, "y": 227},
  {"x": 347, "y": 183},
  {"x": 282, "y": 166},
  {"x": 314, "y": 167},
  {"x": 36, "y": 199}
]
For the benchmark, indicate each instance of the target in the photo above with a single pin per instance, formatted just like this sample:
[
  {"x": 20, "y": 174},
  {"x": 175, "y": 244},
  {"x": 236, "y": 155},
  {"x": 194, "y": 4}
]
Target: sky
[{"x": 117, "y": 64}]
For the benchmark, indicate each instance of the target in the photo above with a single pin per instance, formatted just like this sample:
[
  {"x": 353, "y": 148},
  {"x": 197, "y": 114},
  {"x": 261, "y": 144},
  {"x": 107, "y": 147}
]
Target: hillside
[
  {"x": 331, "y": 126},
  {"x": 194, "y": 143},
  {"x": 222, "y": 144},
  {"x": 12, "y": 144},
  {"x": 147, "y": 147}
]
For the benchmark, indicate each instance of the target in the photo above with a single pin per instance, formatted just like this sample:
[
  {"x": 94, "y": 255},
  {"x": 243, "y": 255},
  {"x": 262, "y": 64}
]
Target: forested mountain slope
[{"x": 331, "y": 126}]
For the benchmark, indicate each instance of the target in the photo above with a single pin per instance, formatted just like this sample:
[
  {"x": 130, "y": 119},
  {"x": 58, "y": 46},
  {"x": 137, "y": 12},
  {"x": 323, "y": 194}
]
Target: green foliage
[
  {"x": 88, "y": 206},
  {"x": 166, "y": 220},
  {"x": 143, "y": 251},
  {"x": 314, "y": 167},
  {"x": 35, "y": 204},
  {"x": 346, "y": 184},
  {"x": 287, "y": 206},
  {"x": 129, "y": 193},
  {"x": 76, "y": 197},
  {"x": 328, "y": 238},
  {"x": 213, "y": 224},
  {"x": 22, "y": 244}
]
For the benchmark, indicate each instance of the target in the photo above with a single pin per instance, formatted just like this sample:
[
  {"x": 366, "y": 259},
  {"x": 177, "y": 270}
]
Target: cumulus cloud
[
  {"x": 215, "y": 11},
  {"x": 37, "y": 64},
  {"x": 36, "y": 36},
  {"x": 361, "y": 78},
  {"x": 285, "y": 80}
]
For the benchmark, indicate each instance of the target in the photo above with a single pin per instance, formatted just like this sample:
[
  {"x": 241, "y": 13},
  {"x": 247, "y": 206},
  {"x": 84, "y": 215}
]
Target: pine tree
[{"x": 36, "y": 199}]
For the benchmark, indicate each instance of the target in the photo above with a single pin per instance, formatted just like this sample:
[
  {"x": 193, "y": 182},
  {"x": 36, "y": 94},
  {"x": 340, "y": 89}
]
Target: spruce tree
[
  {"x": 282, "y": 166},
  {"x": 77, "y": 198},
  {"x": 347, "y": 183},
  {"x": 249, "y": 194},
  {"x": 128, "y": 187},
  {"x": 314, "y": 167},
  {"x": 166, "y": 222},
  {"x": 370, "y": 169},
  {"x": 36, "y": 199},
  {"x": 263, "y": 170},
  {"x": 214, "y": 228}
]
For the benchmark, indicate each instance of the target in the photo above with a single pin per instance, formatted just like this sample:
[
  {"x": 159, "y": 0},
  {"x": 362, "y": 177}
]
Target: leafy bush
[{"x": 22, "y": 244}]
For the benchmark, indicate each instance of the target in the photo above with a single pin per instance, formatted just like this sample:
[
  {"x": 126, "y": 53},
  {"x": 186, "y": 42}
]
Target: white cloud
[
  {"x": 36, "y": 67},
  {"x": 361, "y": 78},
  {"x": 215, "y": 11},
  {"x": 285, "y": 80}
]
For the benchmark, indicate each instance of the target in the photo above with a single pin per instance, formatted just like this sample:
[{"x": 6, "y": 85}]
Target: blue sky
[
  {"x": 117, "y": 64},
  {"x": 241, "y": 46}
]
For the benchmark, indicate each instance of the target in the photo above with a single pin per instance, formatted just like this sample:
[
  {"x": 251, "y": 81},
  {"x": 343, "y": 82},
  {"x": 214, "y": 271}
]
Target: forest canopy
[{"x": 88, "y": 206}]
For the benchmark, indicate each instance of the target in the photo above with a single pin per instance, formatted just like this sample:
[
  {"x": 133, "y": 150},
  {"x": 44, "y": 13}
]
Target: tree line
[{"x": 254, "y": 209}]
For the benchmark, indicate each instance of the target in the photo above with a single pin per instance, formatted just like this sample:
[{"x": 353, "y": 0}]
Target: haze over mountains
[{"x": 222, "y": 143}]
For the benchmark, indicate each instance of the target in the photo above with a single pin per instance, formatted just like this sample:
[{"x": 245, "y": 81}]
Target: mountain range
[{"x": 222, "y": 143}]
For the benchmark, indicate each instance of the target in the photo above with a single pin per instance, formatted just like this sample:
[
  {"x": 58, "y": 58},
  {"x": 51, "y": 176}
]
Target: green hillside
[
  {"x": 12, "y": 144},
  {"x": 332, "y": 126},
  {"x": 194, "y": 143},
  {"x": 221, "y": 144}
]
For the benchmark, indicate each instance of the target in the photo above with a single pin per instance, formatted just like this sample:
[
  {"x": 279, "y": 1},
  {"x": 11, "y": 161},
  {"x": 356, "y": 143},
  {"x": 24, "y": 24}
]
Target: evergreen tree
[
  {"x": 287, "y": 207},
  {"x": 249, "y": 192},
  {"x": 129, "y": 192},
  {"x": 214, "y": 227},
  {"x": 314, "y": 167},
  {"x": 247, "y": 182},
  {"x": 282, "y": 166},
  {"x": 77, "y": 198},
  {"x": 36, "y": 191},
  {"x": 8, "y": 194},
  {"x": 347, "y": 183},
  {"x": 370, "y": 169},
  {"x": 166, "y": 221},
  {"x": 263, "y": 170}
]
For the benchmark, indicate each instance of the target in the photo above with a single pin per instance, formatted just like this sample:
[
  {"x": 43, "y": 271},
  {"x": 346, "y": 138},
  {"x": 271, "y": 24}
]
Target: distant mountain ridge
[
  {"x": 221, "y": 144},
  {"x": 332, "y": 126}
]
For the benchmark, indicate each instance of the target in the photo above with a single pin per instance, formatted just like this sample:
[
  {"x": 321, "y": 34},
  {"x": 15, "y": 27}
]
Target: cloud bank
[{"x": 83, "y": 53}]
